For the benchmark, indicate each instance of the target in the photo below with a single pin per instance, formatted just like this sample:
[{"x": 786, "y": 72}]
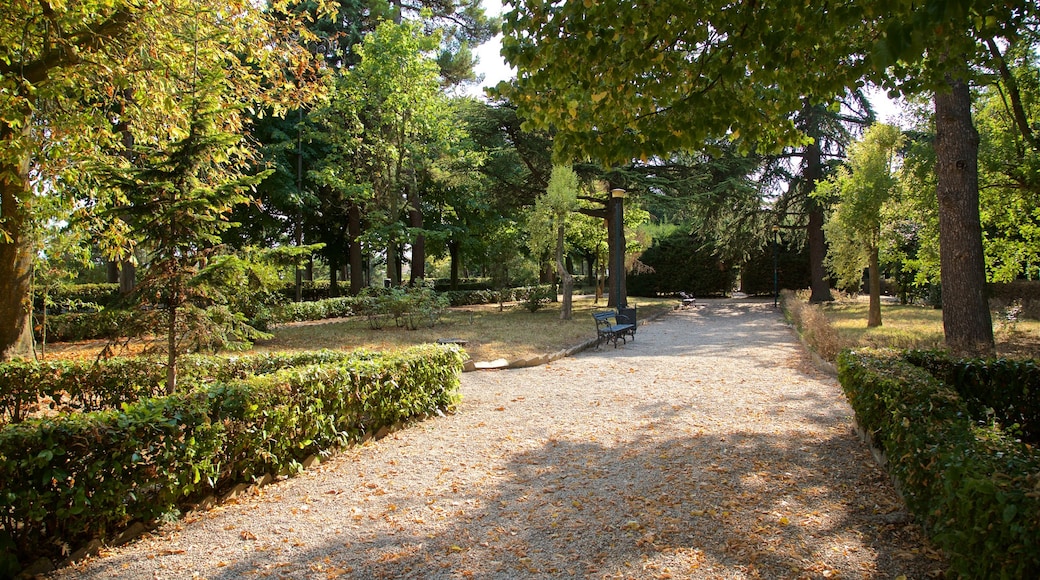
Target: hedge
[
  {"x": 70, "y": 296},
  {"x": 94, "y": 386},
  {"x": 974, "y": 487},
  {"x": 1004, "y": 391},
  {"x": 72, "y": 478}
]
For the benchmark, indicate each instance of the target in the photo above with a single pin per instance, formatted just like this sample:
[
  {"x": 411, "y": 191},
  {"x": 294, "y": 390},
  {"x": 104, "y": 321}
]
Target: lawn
[
  {"x": 909, "y": 326},
  {"x": 512, "y": 334}
]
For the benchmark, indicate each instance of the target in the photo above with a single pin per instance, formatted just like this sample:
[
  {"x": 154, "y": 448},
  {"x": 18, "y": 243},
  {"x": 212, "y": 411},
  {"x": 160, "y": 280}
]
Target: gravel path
[{"x": 708, "y": 448}]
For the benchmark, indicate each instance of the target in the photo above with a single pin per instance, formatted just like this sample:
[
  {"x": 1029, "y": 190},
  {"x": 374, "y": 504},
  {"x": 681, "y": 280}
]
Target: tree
[
  {"x": 65, "y": 67},
  {"x": 549, "y": 222},
  {"x": 46, "y": 54},
  {"x": 854, "y": 228},
  {"x": 387, "y": 118},
  {"x": 178, "y": 189}
]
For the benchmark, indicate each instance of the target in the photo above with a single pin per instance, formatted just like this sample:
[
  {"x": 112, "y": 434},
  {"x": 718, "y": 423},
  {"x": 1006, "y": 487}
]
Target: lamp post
[
  {"x": 776, "y": 265},
  {"x": 618, "y": 266}
]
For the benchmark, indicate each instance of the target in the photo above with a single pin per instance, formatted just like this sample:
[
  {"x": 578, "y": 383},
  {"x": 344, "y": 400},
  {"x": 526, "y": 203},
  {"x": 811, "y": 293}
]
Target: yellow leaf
[{"x": 597, "y": 97}]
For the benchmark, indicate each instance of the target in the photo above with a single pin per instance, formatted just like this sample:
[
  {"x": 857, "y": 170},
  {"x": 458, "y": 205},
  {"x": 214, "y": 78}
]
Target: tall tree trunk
[
  {"x": 415, "y": 220},
  {"x": 565, "y": 276},
  {"x": 820, "y": 288},
  {"x": 127, "y": 277},
  {"x": 16, "y": 256},
  {"x": 613, "y": 237},
  {"x": 171, "y": 345},
  {"x": 966, "y": 319},
  {"x": 296, "y": 261},
  {"x": 355, "y": 258},
  {"x": 112, "y": 271},
  {"x": 453, "y": 252},
  {"x": 874, "y": 271},
  {"x": 334, "y": 266}
]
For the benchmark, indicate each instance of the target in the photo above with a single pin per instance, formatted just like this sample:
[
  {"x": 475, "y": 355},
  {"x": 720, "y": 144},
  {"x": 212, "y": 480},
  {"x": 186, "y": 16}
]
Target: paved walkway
[{"x": 708, "y": 448}]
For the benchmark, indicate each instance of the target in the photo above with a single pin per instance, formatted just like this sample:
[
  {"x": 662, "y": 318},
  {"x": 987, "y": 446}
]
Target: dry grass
[
  {"x": 512, "y": 334},
  {"x": 831, "y": 327}
]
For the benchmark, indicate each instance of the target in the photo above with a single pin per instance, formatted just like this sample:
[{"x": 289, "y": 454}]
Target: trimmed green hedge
[
  {"x": 72, "y": 478},
  {"x": 95, "y": 386},
  {"x": 974, "y": 488},
  {"x": 1003, "y": 391},
  {"x": 71, "y": 296}
]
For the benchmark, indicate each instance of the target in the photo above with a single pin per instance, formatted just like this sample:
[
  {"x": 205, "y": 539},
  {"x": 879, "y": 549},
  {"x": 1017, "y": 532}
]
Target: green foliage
[
  {"x": 536, "y": 297},
  {"x": 108, "y": 324},
  {"x": 681, "y": 263},
  {"x": 71, "y": 478},
  {"x": 860, "y": 190},
  {"x": 1009, "y": 168},
  {"x": 972, "y": 487},
  {"x": 76, "y": 296},
  {"x": 1000, "y": 392},
  {"x": 756, "y": 273},
  {"x": 410, "y": 306}
]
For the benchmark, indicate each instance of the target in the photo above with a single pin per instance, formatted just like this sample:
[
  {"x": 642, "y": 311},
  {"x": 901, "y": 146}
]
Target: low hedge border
[
  {"x": 973, "y": 487},
  {"x": 94, "y": 386},
  {"x": 73, "y": 478}
]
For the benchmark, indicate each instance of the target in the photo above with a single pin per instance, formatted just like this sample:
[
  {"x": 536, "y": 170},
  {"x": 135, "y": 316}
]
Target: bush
[
  {"x": 72, "y": 478},
  {"x": 971, "y": 485},
  {"x": 316, "y": 310},
  {"x": 998, "y": 391},
  {"x": 107, "y": 324},
  {"x": 73, "y": 296},
  {"x": 108, "y": 384},
  {"x": 816, "y": 331},
  {"x": 756, "y": 274},
  {"x": 536, "y": 297}
]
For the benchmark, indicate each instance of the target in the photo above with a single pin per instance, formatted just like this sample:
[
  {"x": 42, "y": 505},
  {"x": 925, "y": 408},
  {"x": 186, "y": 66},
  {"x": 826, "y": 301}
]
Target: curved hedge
[
  {"x": 75, "y": 477},
  {"x": 973, "y": 487}
]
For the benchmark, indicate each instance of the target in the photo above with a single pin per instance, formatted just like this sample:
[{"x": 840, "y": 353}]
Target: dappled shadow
[
  {"x": 662, "y": 458},
  {"x": 738, "y": 503}
]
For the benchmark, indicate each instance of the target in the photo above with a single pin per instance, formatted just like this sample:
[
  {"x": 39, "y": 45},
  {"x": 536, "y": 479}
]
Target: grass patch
[
  {"x": 828, "y": 328},
  {"x": 511, "y": 334}
]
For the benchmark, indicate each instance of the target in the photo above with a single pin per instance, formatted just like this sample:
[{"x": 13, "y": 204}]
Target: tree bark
[
  {"x": 565, "y": 276},
  {"x": 357, "y": 267},
  {"x": 874, "y": 309},
  {"x": 16, "y": 256},
  {"x": 966, "y": 318},
  {"x": 415, "y": 220},
  {"x": 613, "y": 236},
  {"x": 127, "y": 277},
  {"x": 820, "y": 288},
  {"x": 453, "y": 252}
]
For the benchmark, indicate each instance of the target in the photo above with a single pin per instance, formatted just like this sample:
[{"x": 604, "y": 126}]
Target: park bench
[
  {"x": 612, "y": 325},
  {"x": 686, "y": 301}
]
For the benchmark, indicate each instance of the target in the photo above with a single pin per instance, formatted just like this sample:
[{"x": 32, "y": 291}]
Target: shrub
[
  {"x": 316, "y": 310},
  {"x": 71, "y": 478},
  {"x": 536, "y": 297},
  {"x": 971, "y": 485},
  {"x": 108, "y": 384},
  {"x": 107, "y": 324},
  {"x": 812, "y": 325}
]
